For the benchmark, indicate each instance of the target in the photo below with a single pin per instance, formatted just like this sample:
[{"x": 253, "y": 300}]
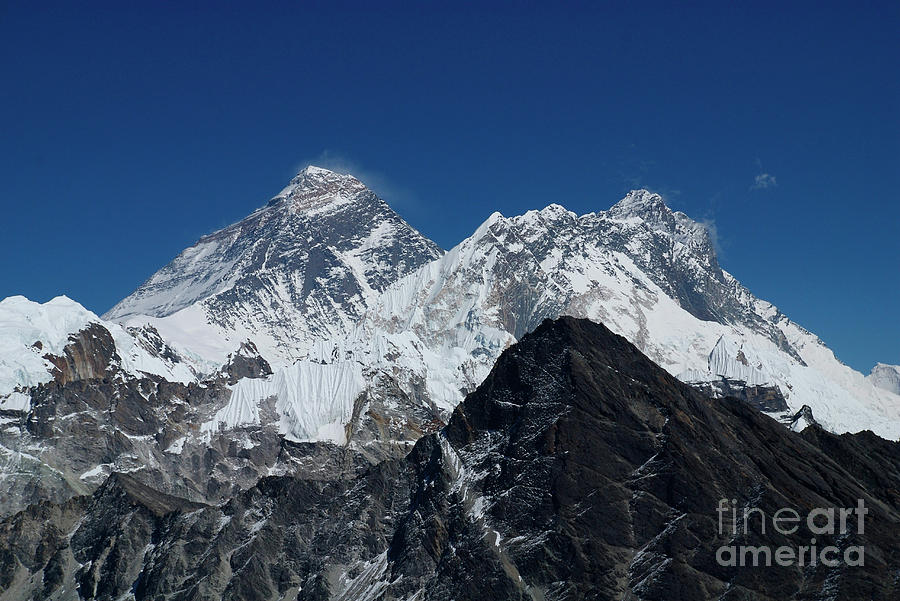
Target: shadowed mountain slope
[{"x": 579, "y": 469}]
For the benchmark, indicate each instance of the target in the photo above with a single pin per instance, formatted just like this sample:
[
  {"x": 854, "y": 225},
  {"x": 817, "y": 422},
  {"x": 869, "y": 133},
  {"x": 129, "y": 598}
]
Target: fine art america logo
[{"x": 821, "y": 521}]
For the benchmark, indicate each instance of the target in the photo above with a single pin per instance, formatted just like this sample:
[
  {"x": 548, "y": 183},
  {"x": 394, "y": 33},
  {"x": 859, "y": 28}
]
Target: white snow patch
[
  {"x": 16, "y": 401},
  {"x": 99, "y": 471},
  {"x": 177, "y": 446}
]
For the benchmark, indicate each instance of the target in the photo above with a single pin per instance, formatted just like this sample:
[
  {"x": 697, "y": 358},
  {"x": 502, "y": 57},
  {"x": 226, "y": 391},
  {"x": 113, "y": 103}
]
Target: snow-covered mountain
[
  {"x": 886, "y": 377},
  {"x": 647, "y": 272},
  {"x": 303, "y": 268},
  {"x": 323, "y": 316},
  {"x": 34, "y": 337},
  {"x": 170, "y": 406}
]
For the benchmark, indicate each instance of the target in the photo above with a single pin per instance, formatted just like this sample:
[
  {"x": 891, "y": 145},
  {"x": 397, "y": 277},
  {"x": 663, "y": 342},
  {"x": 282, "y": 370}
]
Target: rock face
[
  {"x": 62, "y": 340},
  {"x": 89, "y": 354},
  {"x": 801, "y": 420},
  {"x": 246, "y": 362},
  {"x": 75, "y": 433},
  {"x": 579, "y": 469},
  {"x": 63, "y": 437},
  {"x": 767, "y": 399}
]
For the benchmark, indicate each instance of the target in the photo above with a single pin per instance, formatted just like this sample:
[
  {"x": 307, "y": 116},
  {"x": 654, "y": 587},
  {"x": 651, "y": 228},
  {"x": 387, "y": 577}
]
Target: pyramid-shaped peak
[
  {"x": 569, "y": 349},
  {"x": 321, "y": 173}
]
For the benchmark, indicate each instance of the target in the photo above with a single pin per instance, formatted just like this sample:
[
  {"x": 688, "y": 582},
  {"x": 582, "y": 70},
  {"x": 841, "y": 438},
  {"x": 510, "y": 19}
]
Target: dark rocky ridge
[{"x": 578, "y": 470}]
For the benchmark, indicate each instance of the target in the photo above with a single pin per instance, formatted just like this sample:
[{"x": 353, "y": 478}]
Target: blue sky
[{"x": 126, "y": 132}]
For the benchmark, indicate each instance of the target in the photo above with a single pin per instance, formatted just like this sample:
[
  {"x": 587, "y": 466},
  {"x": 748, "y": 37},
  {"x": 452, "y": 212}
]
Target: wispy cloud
[{"x": 763, "y": 181}]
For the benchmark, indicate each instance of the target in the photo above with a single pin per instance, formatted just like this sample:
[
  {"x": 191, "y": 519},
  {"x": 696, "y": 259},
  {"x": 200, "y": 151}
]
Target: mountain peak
[
  {"x": 315, "y": 188},
  {"x": 643, "y": 204},
  {"x": 317, "y": 171},
  {"x": 651, "y": 209},
  {"x": 312, "y": 175},
  {"x": 300, "y": 269}
]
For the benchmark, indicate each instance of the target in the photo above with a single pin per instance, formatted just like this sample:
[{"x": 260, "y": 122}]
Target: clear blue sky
[{"x": 126, "y": 132}]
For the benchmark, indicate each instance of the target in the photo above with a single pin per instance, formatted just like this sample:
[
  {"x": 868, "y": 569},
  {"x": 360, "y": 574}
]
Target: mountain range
[
  {"x": 327, "y": 274},
  {"x": 323, "y": 348}
]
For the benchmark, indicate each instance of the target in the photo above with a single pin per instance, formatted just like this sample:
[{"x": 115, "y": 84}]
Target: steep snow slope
[
  {"x": 30, "y": 331},
  {"x": 312, "y": 401},
  {"x": 304, "y": 267},
  {"x": 645, "y": 271}
]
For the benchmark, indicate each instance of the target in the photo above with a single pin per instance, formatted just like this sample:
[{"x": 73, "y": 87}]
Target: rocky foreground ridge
[{"x": 578, "y": 469}]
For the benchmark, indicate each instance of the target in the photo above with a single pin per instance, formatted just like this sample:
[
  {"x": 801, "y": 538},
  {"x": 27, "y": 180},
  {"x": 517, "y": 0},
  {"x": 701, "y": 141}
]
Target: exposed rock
[
  {"x": 246, "y": 362},
  {"x": 577, "y": 470},
  {"x": 764, "y": 398},
  {"x": 89, "y": 354},
  {"x": 150, "y": 339},
  {"x": 78, "y": 432},
  {"x": 801, "y": 420},
  {"x": 300, "y": 269}
]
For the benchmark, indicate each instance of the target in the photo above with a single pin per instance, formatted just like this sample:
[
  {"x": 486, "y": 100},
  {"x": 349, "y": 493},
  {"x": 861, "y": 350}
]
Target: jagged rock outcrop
[
  {"x": 89, "y": 354},
  {"x": 62, "y": 340},
  {"x": 246, "y": 362},
  {"x": 77, "y": 433},
  {"x": 801, "y": 420},
  {"x": 767, "y": 399}
]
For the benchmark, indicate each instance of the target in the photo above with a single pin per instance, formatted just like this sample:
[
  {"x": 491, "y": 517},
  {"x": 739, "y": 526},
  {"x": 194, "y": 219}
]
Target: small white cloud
[{"x": 763, "y": 181}]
